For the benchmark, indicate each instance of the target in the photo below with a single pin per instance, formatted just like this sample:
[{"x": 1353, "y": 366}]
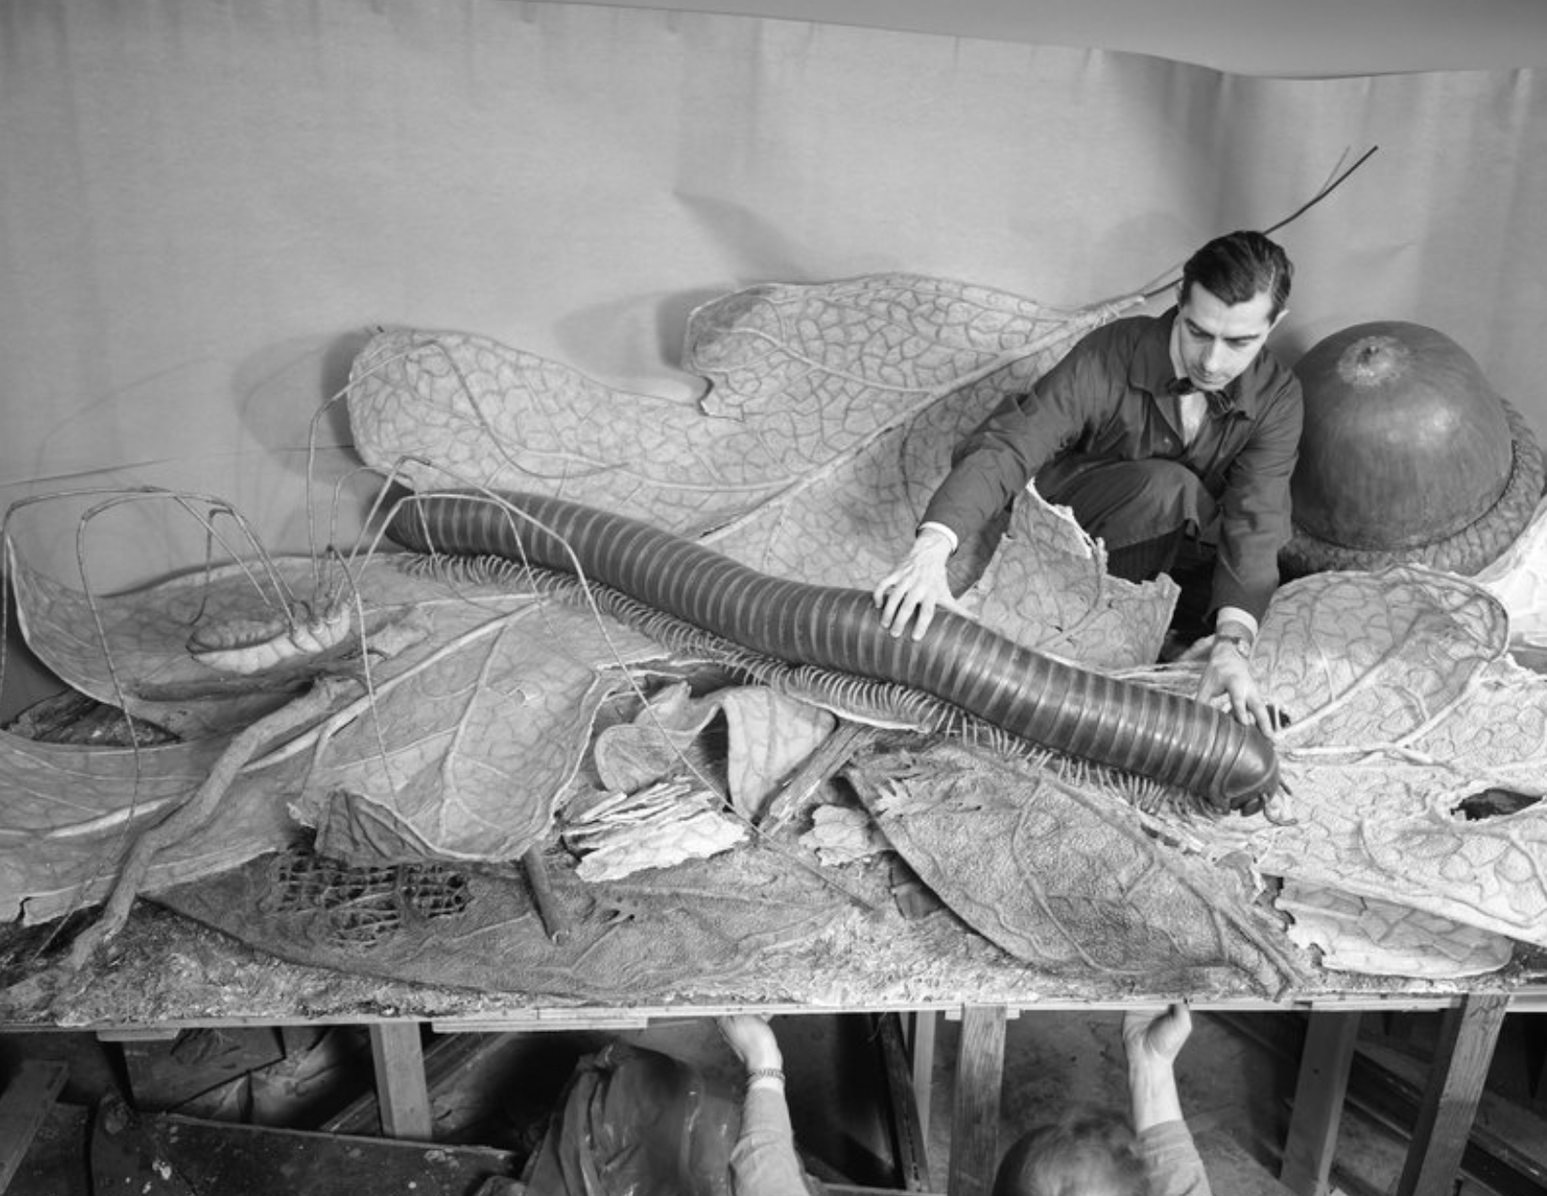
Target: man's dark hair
[
  {"x": 1086, "y": 1150},
  {"x": 1238, "y": 267}
]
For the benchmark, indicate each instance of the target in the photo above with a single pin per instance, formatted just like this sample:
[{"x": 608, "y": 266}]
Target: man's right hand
[
  {"x": 752, "y": 1038},
  {"x": 918, "y": 586},
  {"x": 1151, "y": 1037},
  {"x": 1152, "y": 1042}
]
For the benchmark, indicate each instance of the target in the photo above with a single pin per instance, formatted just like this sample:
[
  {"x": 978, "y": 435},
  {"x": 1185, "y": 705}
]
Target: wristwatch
[{"x": 1241, "y": 643}]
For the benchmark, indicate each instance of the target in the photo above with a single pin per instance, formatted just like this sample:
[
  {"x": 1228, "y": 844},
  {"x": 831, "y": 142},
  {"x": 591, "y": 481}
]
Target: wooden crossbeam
[
  {"x": 975, "y": 1113},
  {"x": 401, "y": 1090},
  {"x": 1325, "y": 1059},
  {"x": 908, "y": 1145},
  {"x": 23, "y": 1109},
  {"x": 921, "y": 1054},
  {"x": 1467, "y": 1037},
  {"x": 1394, "y": 1101},
  {"x": 446, "y": 1058}
]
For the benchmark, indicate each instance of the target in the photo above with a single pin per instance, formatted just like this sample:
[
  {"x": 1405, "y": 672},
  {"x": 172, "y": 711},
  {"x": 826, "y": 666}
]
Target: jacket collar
[{"x": 1150, "y": 369}]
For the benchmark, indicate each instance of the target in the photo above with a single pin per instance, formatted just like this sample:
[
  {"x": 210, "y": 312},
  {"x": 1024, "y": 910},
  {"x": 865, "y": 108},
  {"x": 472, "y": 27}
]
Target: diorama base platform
[{"x": 164, "y": 971}]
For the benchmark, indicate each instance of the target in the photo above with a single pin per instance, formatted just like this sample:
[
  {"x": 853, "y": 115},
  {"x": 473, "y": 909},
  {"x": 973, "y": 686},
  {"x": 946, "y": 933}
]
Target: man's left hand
[{"x": 1228, "y": 672}]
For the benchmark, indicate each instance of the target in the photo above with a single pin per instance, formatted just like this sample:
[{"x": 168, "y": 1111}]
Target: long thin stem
[{"x": 1173, "y": 276}]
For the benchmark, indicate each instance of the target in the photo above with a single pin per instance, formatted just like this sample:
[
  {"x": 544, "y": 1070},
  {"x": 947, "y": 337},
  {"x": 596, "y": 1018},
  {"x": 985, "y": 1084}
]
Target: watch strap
[{"x": 1241, "y": 643}]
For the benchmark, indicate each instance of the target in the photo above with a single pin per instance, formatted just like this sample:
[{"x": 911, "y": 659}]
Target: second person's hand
[{"x": 752, "y": 1038}]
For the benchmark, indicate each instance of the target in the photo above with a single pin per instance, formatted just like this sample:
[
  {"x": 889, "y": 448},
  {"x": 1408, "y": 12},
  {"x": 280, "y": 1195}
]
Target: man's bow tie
[{"x": 1219, "y": 402}]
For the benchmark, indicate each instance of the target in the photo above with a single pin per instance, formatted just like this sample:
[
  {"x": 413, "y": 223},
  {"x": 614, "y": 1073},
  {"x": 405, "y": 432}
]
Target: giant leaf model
[
  {"x": 1405, "y": 705},
  {"x": 70, "y": 814},
  {"x": 831, "y": 416},
  {"x": 474, "y": 710}
]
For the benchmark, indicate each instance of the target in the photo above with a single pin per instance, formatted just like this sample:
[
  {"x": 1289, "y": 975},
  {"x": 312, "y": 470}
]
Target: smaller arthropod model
[
  {"x": 1153, "y": 733},
  {"x": 253, "y": 646}
]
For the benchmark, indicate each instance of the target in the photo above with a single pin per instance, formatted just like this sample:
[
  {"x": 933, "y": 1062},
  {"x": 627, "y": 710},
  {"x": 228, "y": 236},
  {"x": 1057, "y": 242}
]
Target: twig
[
  {"x": 553, "y": 914},
  {"x": 1326, "y": 190},
  {"x": 1323, "y": 193},
  {"x": 310, "y": 706},
  {"x": 834, "y": 752}
]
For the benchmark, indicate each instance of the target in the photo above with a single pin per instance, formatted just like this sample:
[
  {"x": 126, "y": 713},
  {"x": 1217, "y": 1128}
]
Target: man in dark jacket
[{"x": 1172, "y": 438}]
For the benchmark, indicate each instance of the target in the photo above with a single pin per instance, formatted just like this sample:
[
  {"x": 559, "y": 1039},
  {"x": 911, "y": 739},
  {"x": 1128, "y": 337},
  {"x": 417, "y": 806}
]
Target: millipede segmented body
[{"x": 1156, "y": 734}]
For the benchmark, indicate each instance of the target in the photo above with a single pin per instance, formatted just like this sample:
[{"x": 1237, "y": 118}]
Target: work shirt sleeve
[
  {"x": 1171, "y": 1162},
  {"x": 1255, "y": 506},
  {"x": 1066, "y": 405},
  {"x": 763, "y": 1160}
]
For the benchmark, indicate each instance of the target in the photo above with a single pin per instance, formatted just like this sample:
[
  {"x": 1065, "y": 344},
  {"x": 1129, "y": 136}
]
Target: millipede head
[{"x": 1249, "y": 780}]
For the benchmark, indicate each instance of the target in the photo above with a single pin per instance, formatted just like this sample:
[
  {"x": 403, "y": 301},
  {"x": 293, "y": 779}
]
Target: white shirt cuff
[
  {"x": 944, "y": 531},
  {"x": 1236, "y": 615}
]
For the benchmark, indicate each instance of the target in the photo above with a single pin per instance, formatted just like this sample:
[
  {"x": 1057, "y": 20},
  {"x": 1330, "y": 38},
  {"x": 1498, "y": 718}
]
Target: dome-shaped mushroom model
[{"x": 1408, "y": 455}]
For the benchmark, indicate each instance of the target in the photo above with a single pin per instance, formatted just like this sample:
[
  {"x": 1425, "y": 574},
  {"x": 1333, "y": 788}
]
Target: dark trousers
[{"x": 1155, "y": 517}]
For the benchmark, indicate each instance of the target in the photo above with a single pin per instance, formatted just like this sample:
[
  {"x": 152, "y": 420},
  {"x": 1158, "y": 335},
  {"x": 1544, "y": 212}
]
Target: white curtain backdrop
[{"x": 206, "y": 204}]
